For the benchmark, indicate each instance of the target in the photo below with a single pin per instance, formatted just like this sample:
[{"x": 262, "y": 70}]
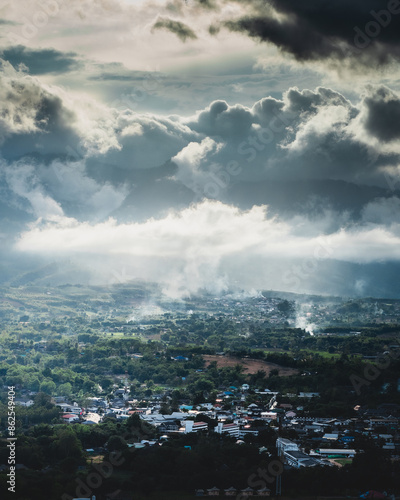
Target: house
[
  {"x": 264, "y": 492},
  {"x": 199, "y": 493},
  {"x": 269, "y": 415},
  {"x": 67, "y": 408},
  {"x": 248, "y": 492},
  {"x": 308, "y": 395},
  {"x": 24, "y": 402},
  {"x": 70, "y": 417},
  {"x": 330, "y": 436},
  {"x": 230, "y": 492},
  {"x": 60, "y": 399},
  {"x": 213, "y": 492},
  {"x": 383, "y": 421}
]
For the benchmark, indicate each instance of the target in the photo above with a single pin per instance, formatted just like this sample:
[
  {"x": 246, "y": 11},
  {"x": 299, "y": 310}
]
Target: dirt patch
[{"x": 250, "y": 365}]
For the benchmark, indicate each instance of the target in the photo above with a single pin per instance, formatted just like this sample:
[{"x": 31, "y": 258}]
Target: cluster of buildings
[
  {"x": 323, "y": 438},
  {"x": 233, "y": 492},
  {"x": 292, "y": 455}
]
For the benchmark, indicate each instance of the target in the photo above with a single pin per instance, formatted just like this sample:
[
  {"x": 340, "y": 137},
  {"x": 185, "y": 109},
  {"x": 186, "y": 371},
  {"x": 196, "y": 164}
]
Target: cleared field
[{"x": 249, "y": 365}]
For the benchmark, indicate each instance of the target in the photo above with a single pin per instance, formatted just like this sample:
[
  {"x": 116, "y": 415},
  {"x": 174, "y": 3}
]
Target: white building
[
  {"x": 230, "y": 429},
  {"x": 192, "y": 426},
  {"x": 285, "y": 445},
  {"x": 269, "y": 415},
  {"x": 298, "y": 459}
]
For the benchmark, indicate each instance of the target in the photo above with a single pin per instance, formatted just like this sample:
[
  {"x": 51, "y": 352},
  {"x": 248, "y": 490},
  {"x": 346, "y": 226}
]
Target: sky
[{"x": 201, "y": 144}]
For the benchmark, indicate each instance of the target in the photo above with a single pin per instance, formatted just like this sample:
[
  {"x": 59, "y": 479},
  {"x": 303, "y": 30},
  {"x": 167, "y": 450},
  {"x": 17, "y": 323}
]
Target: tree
[
  {"x": 48, "y": 387},
  {"x": 64, "y": 389},
  {"x": 42, "y": 399},
  {"x": 68, "y": 445},
  {"x": 116, "y": 443}
]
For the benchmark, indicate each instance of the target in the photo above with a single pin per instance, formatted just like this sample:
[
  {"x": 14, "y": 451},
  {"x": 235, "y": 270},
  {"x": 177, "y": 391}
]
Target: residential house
[
  {"x": 24, "y": 402},
  {"x": 264, "y": 492},
  {"x": 230, "y": 492},
  {"x": 70, "y": 417},
  {"x": 248, "y": 492}
]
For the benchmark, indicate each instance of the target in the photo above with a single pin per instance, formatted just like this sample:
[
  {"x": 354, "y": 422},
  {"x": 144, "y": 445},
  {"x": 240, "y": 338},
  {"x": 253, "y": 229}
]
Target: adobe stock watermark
[
  {"x": 105, "y": 469},
  {"x": 11, "y": 445},
  {"x": 94, "y": 479},
  {"x": 297, "y": 274},
  {"x": 218, "y": 178},
  {"x": 130, "y": 100},
  {"x": 373, "y": 28},
  {"x": 263, "y": 477},
  {"x": 392, "y": 181},
  {"x": 46, "y": 9},
  {"x": 373, "y": 371},
  {"x": 265, "y": 135}
]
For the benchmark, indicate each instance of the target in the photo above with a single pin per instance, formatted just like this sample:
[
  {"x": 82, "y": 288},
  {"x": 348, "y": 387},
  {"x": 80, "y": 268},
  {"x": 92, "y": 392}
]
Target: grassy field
[{"x": 342, "y": 461}]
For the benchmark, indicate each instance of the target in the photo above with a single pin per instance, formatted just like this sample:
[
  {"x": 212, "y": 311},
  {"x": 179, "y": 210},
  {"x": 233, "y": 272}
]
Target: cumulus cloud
[
  {"x": 146, "y": 141},
  {"x": 307, "y": 135}
]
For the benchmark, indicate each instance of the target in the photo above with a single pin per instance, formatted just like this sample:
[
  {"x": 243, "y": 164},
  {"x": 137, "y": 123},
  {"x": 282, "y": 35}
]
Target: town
[{"x": 239, "y": 397}]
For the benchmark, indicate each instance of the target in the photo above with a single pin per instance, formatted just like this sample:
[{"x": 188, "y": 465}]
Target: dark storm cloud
[
  {"x": 41, "y": 61},
  {"x": 181, "y": 30},
  {"x": 366, "y": 30},
  {"x": 383, "y": 115}
]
